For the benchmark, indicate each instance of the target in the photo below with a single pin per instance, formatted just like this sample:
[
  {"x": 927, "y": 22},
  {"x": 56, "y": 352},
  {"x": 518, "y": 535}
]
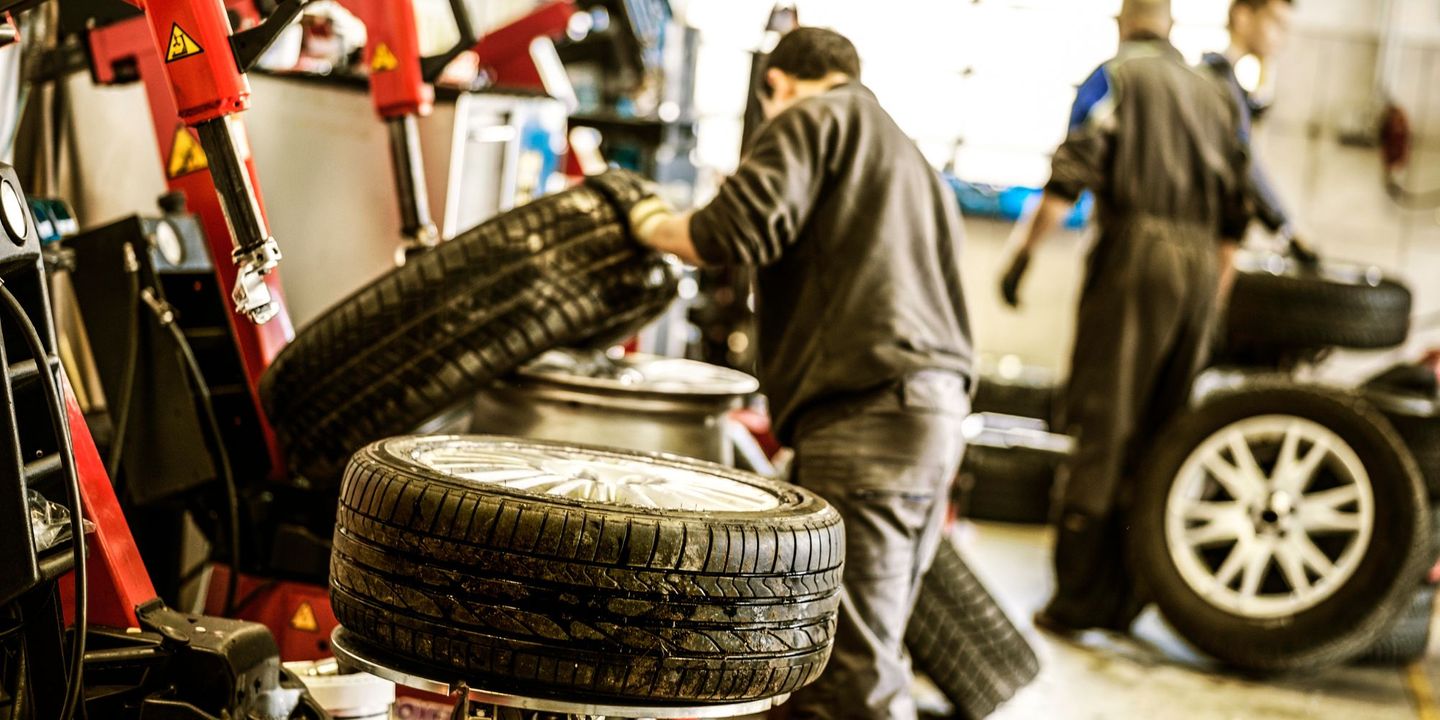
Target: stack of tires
[
  {"x": 1281, "y": 525},
  {"x": 530, "y": 567},
  {"x": 1012, "y": 457}
]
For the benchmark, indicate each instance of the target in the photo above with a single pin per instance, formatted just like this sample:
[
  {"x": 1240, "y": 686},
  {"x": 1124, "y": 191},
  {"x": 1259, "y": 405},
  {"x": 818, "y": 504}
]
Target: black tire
[
  {"x": 1335, "y": 627},
  {"x": 1408, "y": 396},
  {"x": 962, "y": 640},
  {"x": 540, "y": 594},
  {"x": 1006, "y": 484},
  {"x": 426, "y": 336},
  {"x": 1406, "y": 639},
  {"x": 1307, "y": 311},
  {"x": 1415, "y": 418},
  {"x": 1013, "y": 397}
]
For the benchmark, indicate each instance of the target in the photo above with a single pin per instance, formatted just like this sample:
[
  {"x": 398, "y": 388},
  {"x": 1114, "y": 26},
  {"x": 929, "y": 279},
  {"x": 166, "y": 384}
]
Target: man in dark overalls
[
  {"x": 1163, "y": 148},
  {"x": 864, "y": 341}
]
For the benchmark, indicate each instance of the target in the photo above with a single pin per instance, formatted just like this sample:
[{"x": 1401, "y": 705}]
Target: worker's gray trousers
[{"x": 885, "y": 461}]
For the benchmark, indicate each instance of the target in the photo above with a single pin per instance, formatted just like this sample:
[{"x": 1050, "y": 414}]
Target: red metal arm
[
  {"x": 505, "y": 51},
  {"x": 131, "y": 44},
  {"x": 392, "y": 53},
  {"x": 118, "y": 582}
]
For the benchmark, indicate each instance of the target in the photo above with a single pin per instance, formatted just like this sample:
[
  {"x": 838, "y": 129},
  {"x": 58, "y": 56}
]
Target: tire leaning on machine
[
  {"x": 1362, "y": 607},
  {"x": 531, "y": 592},
  {"x": 424, "y": 337},
  {"x": 962, "y": 640}
]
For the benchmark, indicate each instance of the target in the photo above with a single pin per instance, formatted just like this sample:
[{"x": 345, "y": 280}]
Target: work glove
[
  {"x": 1304, "y": 255},
  {"x": 636, "y": 198},
  {"x": 1010, "y": 281}
]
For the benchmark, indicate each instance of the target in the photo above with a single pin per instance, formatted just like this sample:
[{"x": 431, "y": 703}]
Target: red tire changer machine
[{"x": 205, "y": 156}]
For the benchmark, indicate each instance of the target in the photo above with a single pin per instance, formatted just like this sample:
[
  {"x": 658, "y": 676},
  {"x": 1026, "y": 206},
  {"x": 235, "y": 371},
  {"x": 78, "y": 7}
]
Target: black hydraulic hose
[
  {"x": 120, "y": 414},
  {"x": 74, "y": 682},
  {"x": 166, "y": 316}
]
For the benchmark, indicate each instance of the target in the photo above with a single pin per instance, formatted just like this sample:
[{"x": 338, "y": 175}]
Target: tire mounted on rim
[
  {"x": 548, "y": 568},
  {"x": 1281, "y": 527}
]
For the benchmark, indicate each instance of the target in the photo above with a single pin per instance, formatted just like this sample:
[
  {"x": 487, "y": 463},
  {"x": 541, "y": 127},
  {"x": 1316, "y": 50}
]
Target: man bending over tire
[{"x": 864, "y": 341}]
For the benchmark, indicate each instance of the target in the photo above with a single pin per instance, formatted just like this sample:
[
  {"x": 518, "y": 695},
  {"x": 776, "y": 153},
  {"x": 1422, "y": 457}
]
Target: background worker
[
  {"x": 1258, "y": 29},
  {"x": 1162, "y": 147},
  {"x": 864, "y": 341}
]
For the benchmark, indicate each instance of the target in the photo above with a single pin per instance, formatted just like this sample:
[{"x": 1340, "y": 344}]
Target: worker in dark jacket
[
  {"x": 864, "y": 342},
  {"x": 1161, "y": 146},
  {"x": 1257, "y": 29}
]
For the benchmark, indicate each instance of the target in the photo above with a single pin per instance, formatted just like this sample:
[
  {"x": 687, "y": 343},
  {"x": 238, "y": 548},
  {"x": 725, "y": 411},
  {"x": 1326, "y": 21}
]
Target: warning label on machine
[
  {"x": 304, "y": 618},
  {"x": 384, "y": 59},
  {"x": 181, "y": 45},
  {"x": 186, "y": 155}
]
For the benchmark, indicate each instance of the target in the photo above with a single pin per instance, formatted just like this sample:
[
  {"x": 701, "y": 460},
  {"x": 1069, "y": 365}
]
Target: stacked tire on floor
[
  {"x": 1284, "y": 526},
  {"x": 425, "y": 337},
  {"x": 480, "y": 558},
  {"x": 1409, "y": 397}
]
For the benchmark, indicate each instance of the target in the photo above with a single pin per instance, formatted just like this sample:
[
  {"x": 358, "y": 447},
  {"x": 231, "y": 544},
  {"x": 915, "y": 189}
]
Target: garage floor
[{"x": 1154, "y": 674}]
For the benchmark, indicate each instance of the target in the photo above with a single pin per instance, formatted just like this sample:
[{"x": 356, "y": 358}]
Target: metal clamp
[{"x": 251, "y": 294}]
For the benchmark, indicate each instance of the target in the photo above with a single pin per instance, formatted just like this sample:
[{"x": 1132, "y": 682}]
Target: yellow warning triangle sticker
[
  {"x": 384, "y": 59},
  {"x": 186, "y": 155},
  {"x": 304, "y": 618},
  {"x": 181, "y": 45}
]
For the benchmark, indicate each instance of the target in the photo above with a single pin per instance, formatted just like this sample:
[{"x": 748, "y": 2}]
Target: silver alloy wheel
[
  {"x": 593, "y": 475},
  {"x": 1269, "y": 516}
]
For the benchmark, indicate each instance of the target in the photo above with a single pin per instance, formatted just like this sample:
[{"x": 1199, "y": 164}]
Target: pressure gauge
[
  {"x": 167, "y": 241},
  {"x": 12, "y": 213}
]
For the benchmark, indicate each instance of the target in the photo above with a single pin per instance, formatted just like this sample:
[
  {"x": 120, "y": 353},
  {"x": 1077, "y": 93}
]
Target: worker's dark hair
[
  {"x": 1254, "y": 4},
  {"x": 811, "y": 53}
]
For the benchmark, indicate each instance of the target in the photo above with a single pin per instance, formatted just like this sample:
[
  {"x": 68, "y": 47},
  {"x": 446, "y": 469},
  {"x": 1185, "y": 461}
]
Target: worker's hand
[
  {"x": 1304, "y": 254},
  {"x": 1010, "y": 282},
  {"x": 637, "y": 199}
]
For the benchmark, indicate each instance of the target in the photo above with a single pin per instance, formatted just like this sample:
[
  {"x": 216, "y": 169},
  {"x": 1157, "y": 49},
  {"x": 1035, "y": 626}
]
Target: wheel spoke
[
  {"x": 1320, "y": 512},
  {"x": 1222, "y": 522},
  {"x": 1245, "y": 461},
  {"x": 1289, "y": 457},
  {"x": 1234, "y": 562},
  {"x": 642, "y": 496},
  {"x": 1299, "y": 475},
  {"x": 1293, "y": 567},
  {"x": 1311, "y": 555},
  {"x": 1234, "y": 481},
  {"x": 1257, "y": 561}
]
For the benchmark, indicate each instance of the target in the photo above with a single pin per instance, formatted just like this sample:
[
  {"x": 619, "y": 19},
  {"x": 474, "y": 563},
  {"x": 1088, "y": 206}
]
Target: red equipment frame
[
  {"x": 181, "y": 50},
  {"x": 117, "y": 581},
  {"x": 133, "y": 42}
]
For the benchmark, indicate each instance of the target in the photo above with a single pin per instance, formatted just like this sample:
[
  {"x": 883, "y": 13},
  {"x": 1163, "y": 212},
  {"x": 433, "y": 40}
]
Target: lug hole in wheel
[{"x": 1270, "y": 516}]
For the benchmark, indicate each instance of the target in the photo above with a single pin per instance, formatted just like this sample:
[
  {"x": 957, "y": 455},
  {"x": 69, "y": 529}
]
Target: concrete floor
[{"x": 1154, "y": 674}]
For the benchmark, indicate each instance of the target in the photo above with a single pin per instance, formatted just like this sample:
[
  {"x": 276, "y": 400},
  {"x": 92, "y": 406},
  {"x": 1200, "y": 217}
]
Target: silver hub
[
  {"x": 595, "y": 476},
  {"x": 1269, "y": 516}
]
